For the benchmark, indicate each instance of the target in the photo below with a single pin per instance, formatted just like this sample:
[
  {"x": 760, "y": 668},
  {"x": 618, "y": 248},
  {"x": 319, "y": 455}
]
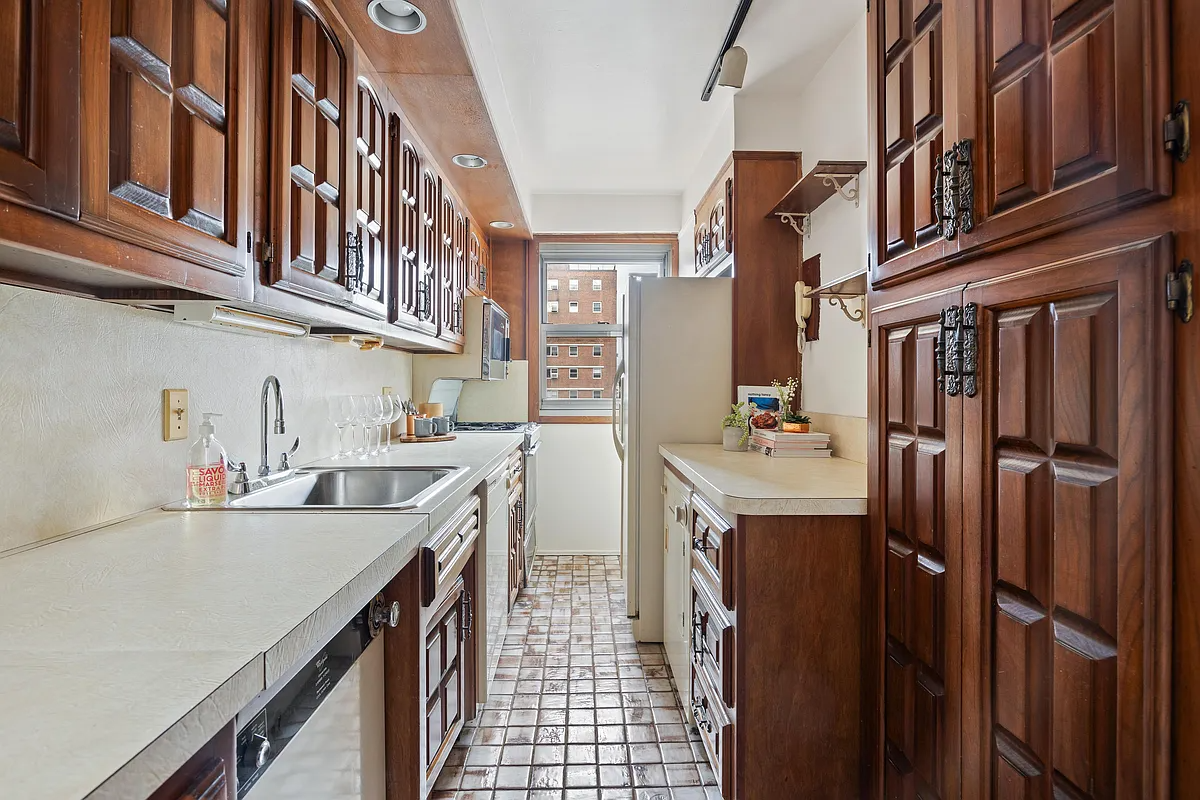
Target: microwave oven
[{"x": 495, "y": 350}]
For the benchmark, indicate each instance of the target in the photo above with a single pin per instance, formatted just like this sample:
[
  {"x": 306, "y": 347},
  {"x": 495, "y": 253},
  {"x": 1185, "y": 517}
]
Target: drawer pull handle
[
  {"x": 702, "y": 720},
  {"x": 700, "y": 543}
]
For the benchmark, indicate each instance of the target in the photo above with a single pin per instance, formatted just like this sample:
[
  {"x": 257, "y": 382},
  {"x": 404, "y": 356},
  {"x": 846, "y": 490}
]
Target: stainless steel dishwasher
[{"x": 319, "y": 733}]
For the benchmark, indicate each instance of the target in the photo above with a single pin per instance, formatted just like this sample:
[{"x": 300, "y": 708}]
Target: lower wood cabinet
[
  {"x": 208, "y": 775},
  {"x": 431, "y": 657},
  {"x": 516, "y": 527},
  {"x": 775, "y": 649}
]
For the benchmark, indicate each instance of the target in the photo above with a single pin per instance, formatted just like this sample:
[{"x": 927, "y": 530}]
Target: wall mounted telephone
[{"x": 804, "y": 306}]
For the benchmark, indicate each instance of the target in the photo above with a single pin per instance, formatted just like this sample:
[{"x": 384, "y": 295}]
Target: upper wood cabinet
[
  {"x": 164, "y": 136},
  {"x": 309, "y": 152},
  {"x": 39, "y": 104},
  {"x": 406, "y": 272},
  {"x": 994, "y": 123},
  {"x": 452, "y": 233},
  {"x": 714, "y": 221},
  {"x": 372, "y": 224}
]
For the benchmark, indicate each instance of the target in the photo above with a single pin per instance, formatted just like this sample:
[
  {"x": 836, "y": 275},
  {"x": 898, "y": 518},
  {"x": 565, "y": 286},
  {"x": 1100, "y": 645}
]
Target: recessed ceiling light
[
  {"x": 503, "y": 224},
  {"x": 469, "y": 161},
  {"x": 396, "y": 16}
]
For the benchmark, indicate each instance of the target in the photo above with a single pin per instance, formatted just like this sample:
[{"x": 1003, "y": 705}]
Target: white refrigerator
[{"x": 674, "y": 384}]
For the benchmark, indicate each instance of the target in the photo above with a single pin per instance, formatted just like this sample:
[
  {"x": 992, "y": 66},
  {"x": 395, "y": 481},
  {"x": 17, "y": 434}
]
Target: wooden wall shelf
[
  {"x": 810, "y": 192},
  {"x": 848, "y": 287}
]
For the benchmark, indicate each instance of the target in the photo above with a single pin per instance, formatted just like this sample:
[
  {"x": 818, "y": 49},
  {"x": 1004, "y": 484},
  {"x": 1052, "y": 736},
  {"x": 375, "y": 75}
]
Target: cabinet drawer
[
  {"x": 712, "y": 548},
  {"x": 712, "y": 635},
  {"x": 446, "y": 552},
  {"x": 716, "y": 730}
]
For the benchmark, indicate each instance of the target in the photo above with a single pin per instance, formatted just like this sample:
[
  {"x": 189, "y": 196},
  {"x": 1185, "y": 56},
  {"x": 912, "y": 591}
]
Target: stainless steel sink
[{"x": 348, "y": 488}]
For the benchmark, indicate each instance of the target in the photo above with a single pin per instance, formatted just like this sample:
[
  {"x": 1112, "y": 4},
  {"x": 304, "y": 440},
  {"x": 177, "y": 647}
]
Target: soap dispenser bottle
[{"x": 206, "y": 468}]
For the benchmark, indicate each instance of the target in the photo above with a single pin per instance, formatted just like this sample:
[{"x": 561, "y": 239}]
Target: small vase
[
  {"x": 791, "y": 427},
  {"x": 731, "y": 439}
]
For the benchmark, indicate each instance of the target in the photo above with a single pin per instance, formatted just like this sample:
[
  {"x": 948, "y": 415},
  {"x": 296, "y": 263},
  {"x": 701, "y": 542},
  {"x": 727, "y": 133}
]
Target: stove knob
[{"x": 263, "y": 753}]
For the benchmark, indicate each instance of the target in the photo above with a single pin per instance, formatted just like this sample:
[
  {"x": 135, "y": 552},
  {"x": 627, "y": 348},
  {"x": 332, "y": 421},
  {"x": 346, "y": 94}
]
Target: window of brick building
[
  {"x": 573, "y": 351},
  {"x": 573, "y": 285},
  {"x": 596, "y": 373},
  {"x": 597, "y": 351},
  {"x": 596, "y": 285},
  {"x": 596, "y": 307},
  {"x": 573, "y": 374},
  {"x": 574, "y": 307}
]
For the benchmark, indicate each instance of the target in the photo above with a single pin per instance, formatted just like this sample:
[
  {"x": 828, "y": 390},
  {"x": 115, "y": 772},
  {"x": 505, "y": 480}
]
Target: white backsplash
[{"x": 80, "y": 405}]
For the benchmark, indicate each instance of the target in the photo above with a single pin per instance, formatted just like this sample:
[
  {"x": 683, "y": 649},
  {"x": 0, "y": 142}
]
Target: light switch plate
[
  {"x": 175, "y": 414},
  {"x": 387, "y": 390}
]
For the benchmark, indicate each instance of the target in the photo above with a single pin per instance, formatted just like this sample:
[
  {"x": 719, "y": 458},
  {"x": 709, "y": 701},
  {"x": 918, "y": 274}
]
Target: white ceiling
[{"x": 592, "y": 96}]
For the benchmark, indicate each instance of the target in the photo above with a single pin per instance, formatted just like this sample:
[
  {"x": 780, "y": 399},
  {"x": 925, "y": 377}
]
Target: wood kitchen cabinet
[
  {"x": 516, "y": 527},
  {"x": 453, "y": 231},
  {"x": 714, "y": 221},
  {"x": 414, "y": 204},
  {"x": 373, "y": 231},
  {"x": 39, "y": 104},
  {"x": 164, "y": 135},
  {"x": 996, "y": 123},
  {"x": 208, "y": 775},
  {"x": 773, "y": 647},
  {"x": 1020, "y": 542}
]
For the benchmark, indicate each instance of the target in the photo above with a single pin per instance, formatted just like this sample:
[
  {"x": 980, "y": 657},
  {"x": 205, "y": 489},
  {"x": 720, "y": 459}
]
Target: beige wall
[
  {"x": 80, "y": 405},
  {"x": 579, "y": 491}
]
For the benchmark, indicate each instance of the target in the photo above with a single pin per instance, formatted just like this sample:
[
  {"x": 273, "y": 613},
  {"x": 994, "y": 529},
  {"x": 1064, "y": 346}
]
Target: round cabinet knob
[
  {"x": 394, "y": 614},
  {"x": 263, "y": 752}
]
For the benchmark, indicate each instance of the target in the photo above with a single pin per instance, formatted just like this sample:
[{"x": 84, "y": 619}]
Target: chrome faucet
[{"x": 264, "y": 467}]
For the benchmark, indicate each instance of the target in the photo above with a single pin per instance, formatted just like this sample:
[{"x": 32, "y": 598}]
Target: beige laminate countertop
[
  {"x": 125, "y": 648},
  {"x": 751, "y": 483}
]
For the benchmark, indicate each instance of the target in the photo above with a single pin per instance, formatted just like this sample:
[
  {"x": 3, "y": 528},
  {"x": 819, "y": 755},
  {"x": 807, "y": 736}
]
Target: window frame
[
  {"x": 552, "y": 351},
  {"x": 597, "y": 285},
  {"x": 572, "y": 306},
  {"x": 646, "y": 259},
  {"x": 572, "y": 351},
  {"x": 572, "y": 284},
  {"x": 596, "y": 373},
  {"x": 597, "y": 306},
  {"x": 552, "y": 284},
  {"x": 598, "y": 351},
  {"x": 553, "y": 310},
  {"x": 572, "y": 373}
]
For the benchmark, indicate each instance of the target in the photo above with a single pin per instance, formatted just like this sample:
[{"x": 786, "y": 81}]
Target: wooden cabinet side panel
[
  {"x": 404, "y": 692},
  {"x": 797, "y": 645}
]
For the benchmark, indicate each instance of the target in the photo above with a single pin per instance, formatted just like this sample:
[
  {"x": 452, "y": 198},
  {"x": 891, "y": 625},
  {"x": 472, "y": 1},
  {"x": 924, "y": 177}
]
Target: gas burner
[{"x": 491, "y": 426}]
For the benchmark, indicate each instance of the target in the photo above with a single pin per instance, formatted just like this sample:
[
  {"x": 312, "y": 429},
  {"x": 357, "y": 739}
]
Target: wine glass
[
  {"x": 340, "y": 410},
  {"x": 371, "y": 417},
  {"x": 358, "y": 424},
  {"x": 391, "y": 413}
]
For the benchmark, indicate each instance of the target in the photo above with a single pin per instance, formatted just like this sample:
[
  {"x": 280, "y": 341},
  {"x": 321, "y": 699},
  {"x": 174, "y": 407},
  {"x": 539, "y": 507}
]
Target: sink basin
[{"x": 349, "y": 488}]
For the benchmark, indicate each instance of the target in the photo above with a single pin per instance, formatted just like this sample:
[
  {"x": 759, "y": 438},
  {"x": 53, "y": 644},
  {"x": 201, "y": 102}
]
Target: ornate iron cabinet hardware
[
  {"x": 354, "y": 263},
  {"x": 969, "y": 342},
  {"x": 948, "y": 355},
  {"x": 1177, "y": 133},
  {"x": 1179, "y": 291},
  {"x": 954, "y": 191}
]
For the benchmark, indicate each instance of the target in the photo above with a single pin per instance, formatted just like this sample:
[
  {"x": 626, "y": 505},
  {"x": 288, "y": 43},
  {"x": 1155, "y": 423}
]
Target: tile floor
[{"x": 578, "y": 711}]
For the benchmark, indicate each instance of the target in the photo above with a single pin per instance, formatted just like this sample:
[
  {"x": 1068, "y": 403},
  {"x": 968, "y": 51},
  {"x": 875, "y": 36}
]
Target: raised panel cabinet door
[
  {"x": 310, "y": 153},
  {"x": 164, "y": 135},
  {"x": 1067, "y": 576},
  {"x": 429, "y": 258},
  {"x": 39, "y": 104},
  {"x": 914, "y": 558},
  {"x": 410, "y": 299},
  {"x": 368, "y": 280},
  {"x": 911, "y": 79},
  {"x": 1065, "y": 111},
  {"x": 210, "y": 784}
]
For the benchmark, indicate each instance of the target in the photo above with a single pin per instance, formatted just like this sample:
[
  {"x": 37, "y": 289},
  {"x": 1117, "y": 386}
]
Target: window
[{"x": 603, "y": 275}]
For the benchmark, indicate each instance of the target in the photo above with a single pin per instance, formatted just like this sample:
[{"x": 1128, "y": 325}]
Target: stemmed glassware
[
  {"x": 391, "y": 413},
  {"x": 376, "y": 414},
  {"x": 340, "y": 410},
  {"x": 362, "y": 418}
]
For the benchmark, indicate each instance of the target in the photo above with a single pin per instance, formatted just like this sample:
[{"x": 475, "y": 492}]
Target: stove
[{"x": 532, "y": 430}]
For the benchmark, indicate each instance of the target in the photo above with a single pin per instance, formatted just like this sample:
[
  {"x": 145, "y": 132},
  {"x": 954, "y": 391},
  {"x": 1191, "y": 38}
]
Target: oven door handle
[{"x": 533, "y": 450}]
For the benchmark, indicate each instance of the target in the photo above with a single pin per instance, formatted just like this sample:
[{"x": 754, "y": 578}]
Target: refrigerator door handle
[{"x": 616, "y": 416}]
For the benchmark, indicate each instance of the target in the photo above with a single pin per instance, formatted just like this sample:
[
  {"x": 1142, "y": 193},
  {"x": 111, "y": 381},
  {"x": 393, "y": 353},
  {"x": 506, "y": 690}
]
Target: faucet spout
[{"x": 264, "y": 466}]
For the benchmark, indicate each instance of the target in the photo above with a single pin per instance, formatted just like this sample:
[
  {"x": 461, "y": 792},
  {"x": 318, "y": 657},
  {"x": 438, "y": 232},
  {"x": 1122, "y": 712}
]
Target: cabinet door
[
  {"x": 309, "y": 153},
  {"x": 915, "y": 557},
  {"x": 474, "y": 255},
  {"x": 429, "y": 295},
  {"x": 1067, "y": 469},
  {"x": 165, "y": 135},
  {"x": 411, "y": 303},
  {"x": 368, "y": 281},
  {"x": 911, "y": 73},
  {"x": 1065, "y": 106},
  {"x": 445, "y": 671},
  {"x": 516, "y": 534},
  {"x": 39, "y": 104}
]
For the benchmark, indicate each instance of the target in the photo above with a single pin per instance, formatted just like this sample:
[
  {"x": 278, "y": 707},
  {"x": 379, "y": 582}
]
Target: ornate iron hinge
[
  {"x": 954, "y": 190},
  {"x": 957, "y": 351},
  {"x": 1179, "y": 291},
  {"x": 1177, "y": 134},
  {"x": 425, "y": 297}
]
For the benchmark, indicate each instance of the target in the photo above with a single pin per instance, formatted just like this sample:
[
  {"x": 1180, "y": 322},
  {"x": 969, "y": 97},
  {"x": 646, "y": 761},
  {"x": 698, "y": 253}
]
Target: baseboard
[{"x": 541, "y": 552}]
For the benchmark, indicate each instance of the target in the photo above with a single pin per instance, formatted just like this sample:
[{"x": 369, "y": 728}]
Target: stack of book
[{"x": 778, "y": 444}]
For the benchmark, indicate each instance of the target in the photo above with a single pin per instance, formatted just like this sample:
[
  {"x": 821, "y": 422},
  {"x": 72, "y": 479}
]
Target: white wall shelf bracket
[
  {"x": 801, "y": 223},
  {"x": 845, "y": 185}
]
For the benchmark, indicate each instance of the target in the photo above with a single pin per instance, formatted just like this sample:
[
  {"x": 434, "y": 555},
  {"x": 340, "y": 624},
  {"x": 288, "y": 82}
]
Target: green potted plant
[
  {"x": 795, "y": 423},
  {"x": 735, "y": 428}
]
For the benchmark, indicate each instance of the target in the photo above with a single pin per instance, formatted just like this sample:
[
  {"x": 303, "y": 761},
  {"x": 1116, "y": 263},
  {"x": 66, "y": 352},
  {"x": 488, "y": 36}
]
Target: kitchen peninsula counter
[
  {"x": 125, "y": 648},
  {"x": 752, "y": 484}
]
